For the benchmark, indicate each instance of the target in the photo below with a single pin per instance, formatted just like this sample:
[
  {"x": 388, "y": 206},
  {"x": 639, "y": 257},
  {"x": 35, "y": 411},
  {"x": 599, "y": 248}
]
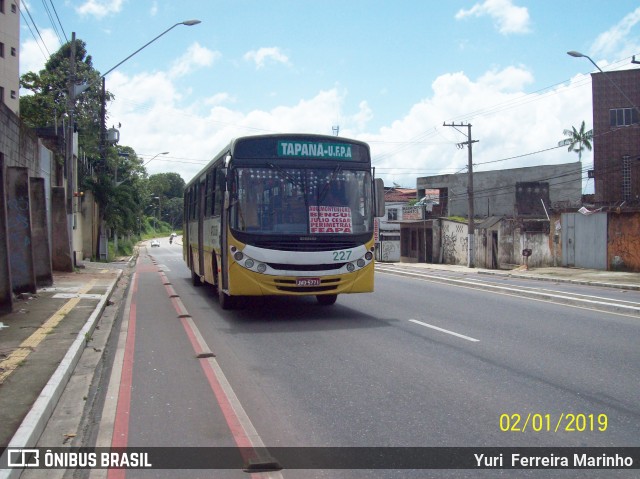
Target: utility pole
[
  {"x": 70, "y": 170},
  {"x": 470, "y": 223}
]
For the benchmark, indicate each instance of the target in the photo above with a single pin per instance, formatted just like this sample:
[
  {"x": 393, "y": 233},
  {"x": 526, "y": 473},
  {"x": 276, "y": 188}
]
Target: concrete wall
[
  {"x": 61, "y": 244},
  {"x": 40, "y": 232},
  {"x": 494, "y": 191},
  {"x": 27, "y": 171},
  {"x": 454, "y": 241},
  {"x": 6, "y": 293},
  {"x": 20, "y": 240}
]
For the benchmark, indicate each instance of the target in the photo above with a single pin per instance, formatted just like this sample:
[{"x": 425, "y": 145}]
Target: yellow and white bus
[{"x": 286, "y": 214}]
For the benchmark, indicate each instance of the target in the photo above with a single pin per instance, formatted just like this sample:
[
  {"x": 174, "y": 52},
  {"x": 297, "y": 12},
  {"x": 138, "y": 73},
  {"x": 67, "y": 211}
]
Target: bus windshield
[{"x": 316, "y": 201}]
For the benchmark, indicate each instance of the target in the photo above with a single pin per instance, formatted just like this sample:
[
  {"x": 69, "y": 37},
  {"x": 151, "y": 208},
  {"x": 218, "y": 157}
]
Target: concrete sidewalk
[
  {"x": 612, "y": 279},
  {"x": 43, "y": 338},
  {"x": 41, "y": 341}
]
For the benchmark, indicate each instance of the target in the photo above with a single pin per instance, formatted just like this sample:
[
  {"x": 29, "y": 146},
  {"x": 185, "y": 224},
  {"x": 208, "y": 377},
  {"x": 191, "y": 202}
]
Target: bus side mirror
[{"x": 379, "y": 196}]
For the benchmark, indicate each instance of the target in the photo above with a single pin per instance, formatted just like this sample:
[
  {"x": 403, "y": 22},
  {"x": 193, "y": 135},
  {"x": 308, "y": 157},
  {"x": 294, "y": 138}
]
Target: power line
[
  {"x": 59, "y": 22},
  {"x": 48, "y": 11},
  {"x": 34, "y": 26}
]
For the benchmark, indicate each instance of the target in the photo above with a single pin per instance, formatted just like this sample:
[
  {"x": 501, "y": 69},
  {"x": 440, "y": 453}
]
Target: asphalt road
[{"x": 418, "y": 363}]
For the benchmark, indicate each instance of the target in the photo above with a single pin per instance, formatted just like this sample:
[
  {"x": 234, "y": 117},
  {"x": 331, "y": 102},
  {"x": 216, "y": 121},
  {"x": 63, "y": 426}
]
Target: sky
[{"x": 388, "y": 72}]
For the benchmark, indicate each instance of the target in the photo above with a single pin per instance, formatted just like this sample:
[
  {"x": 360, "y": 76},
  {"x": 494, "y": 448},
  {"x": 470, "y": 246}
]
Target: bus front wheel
[
  {"x": 326, "y": 299},
  {"x": 226, "y": 301}
]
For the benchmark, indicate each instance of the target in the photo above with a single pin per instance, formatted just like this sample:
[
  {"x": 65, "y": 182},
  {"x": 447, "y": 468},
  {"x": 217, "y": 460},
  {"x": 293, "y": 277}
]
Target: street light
[
  {"x": 188, "y": 23},
  {"x": 74, "y": 89},
  {"x": 154, "y": 157},
  {"x": 575, "y": 54}
]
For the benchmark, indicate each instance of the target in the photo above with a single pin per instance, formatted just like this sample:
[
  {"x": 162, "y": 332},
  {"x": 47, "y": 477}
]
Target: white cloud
[
  {"x": 219, "y": 99},
  {"x": 506, "y": 120},
  {"x": 100, "y": 8},
  {"x": 267, "y": 54},
  {"x": 195, "y": 56},
  {"x": 617, "y": 40},
  {"x": 33, "y": 55},
  {"x": 508, "y": 17}
]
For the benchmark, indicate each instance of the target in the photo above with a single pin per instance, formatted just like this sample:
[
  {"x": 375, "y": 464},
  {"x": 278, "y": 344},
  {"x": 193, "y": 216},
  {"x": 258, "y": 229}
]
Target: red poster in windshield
[{"x": 330, "y": 219}]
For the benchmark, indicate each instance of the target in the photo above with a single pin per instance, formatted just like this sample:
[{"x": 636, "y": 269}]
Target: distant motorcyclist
[{"x": 170, "y": 239}]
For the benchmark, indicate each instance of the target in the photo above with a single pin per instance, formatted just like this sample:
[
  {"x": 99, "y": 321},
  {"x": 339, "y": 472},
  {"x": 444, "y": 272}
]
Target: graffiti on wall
[
  {"x": 390, "y": 251},
  {"x": 455, "y": 242}
]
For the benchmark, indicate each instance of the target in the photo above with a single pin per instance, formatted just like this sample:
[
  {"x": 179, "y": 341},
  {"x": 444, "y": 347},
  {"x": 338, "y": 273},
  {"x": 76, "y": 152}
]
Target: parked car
[{"x": 155, "y": 242}]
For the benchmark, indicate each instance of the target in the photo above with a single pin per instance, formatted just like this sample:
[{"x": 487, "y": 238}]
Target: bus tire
[
  {"x": 326, "y": 299},
  {"x": 195, "y": 279},
  {"x": 226, "y": 301}
]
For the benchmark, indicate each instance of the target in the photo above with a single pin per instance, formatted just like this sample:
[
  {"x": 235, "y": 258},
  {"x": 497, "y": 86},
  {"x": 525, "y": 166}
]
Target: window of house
[
  {"x": 1, "y": 6},
  {"x": 1, "y": 50},
  {"x": 14, "y": 95},
  {"x": 623, "y": 117},
  {"x": 14, "y": 8},
  {"x": 13, "y": 51},
  {"x": 392, "y": 214},
  {"x": 1, "y": 94}
]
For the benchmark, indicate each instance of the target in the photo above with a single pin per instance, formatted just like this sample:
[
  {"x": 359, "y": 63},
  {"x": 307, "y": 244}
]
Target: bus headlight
[
  {"x": 238, "y": 256},
  {"x": 249, "y": 263},
  {"x": 368, "y": 256},
  {"x": 262, "y": 268},
  {"x": 350, "y": 267},
  {"x": 361, "y": 263}
]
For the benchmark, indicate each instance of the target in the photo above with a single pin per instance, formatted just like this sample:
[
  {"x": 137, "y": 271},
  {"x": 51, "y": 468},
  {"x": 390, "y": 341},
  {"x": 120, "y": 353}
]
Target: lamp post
[
  {"x": 188, "y": 23},
  {"x": 575, "y": 54},
  {"x": 77, "y": 90},
  {"x": 154, "y": 157}
]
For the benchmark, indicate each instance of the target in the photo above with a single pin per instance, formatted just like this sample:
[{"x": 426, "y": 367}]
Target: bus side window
[
  {"x": 209, "y": 194},
  {"x": 219, "y": 192}
]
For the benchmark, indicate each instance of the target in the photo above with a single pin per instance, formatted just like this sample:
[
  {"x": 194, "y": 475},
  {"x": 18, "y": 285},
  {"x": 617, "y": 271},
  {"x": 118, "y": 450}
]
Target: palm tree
[{"x": 577, "y": 140}]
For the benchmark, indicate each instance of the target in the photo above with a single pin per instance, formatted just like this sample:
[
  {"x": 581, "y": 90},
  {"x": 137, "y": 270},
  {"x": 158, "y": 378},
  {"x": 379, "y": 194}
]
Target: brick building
[{"x": 616, "y": 137}]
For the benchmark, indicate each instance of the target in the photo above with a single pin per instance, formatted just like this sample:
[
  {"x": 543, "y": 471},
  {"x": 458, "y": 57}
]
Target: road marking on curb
[
  {"x": 468, "y": 338},
  {"x": 11, "y": 363}
]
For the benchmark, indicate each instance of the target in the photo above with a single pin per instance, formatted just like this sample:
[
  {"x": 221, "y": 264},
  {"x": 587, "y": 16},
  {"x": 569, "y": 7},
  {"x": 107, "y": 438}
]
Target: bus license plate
[{"x": 307, "y": 282}]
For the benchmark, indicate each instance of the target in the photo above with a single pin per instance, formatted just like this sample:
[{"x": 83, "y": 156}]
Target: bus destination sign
[{"x": 309, "y": 149}]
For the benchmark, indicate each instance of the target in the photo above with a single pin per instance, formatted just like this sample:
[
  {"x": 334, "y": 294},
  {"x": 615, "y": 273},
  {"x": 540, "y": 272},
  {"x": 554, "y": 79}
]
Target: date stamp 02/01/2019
[{"x": 562, "y": 422}]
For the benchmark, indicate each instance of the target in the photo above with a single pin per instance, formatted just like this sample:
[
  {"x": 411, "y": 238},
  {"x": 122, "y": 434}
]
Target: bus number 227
[{"x": 341, "y": 255}]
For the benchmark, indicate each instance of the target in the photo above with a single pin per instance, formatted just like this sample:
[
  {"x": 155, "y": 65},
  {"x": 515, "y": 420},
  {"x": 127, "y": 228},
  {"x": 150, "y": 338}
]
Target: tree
[
  {"x": 170, "y": 185},
  {"x": 170, "y": 188},
  {"x": 577, "y": 140},
  {"x": 47, "y": 105}
]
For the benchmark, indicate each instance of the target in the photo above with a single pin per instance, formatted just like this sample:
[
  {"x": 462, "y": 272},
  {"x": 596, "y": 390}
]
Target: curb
[
  {"x": 559, "y": 298},
  {"x": 36, "y": 419},
  {"x": 587, "y": 282}
]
